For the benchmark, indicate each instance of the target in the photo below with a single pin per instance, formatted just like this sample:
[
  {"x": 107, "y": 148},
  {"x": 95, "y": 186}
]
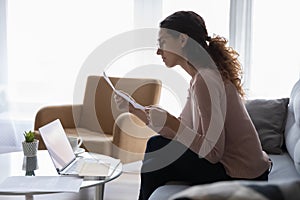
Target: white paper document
[
  {"x": 133, "y": 103},
  {"x": 30, "y": 184}
]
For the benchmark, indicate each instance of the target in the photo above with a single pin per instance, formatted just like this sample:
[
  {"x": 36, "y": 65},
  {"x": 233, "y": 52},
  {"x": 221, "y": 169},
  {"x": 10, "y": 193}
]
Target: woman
[{"x": 214, "y": 138}]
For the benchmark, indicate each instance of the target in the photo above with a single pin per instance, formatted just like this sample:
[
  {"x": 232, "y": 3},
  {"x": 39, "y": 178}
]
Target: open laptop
[{"x": 63, "y": 157}]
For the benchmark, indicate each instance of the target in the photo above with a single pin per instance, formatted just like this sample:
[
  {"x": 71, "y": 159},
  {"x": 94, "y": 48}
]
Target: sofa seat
[
  {"x": 93, "y": 141},
  {"x": 283, "y": 168}
]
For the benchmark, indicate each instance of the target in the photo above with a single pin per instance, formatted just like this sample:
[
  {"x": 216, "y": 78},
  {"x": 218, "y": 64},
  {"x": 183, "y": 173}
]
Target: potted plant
[{"x": 30, "y": 144}]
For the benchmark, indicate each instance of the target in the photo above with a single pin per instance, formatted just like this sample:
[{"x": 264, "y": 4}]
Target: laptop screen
[{"x": 57, "y": 143}]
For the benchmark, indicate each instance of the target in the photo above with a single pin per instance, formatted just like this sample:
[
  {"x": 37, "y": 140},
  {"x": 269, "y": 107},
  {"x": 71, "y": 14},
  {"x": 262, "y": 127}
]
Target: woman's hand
[
  {"x": 156, "y": 117},
  {"x": 157, "y": 121},
  {"x": 162, "y": 122},
  {"x": 121, "y": 103}
]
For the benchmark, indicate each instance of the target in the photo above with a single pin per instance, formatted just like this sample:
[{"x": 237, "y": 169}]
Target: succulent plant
[{"x": 29, "y": 136}]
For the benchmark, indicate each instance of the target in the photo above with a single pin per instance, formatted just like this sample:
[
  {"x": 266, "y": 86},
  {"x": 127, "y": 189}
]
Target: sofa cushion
[
  {"x": 260, "y": 190},
  {"x": 292, "y": 128},
  {"x": 283, "y": 168},
  {"x": 166, "y": 191},
  {"x": 297, "y": 156},
  {"x": 269, "y": 117},
  {"x": 292, "y": 133}
]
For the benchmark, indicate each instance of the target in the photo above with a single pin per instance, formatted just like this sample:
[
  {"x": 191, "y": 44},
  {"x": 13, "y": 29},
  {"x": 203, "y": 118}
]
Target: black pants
[{"x": 166, "y": 160}]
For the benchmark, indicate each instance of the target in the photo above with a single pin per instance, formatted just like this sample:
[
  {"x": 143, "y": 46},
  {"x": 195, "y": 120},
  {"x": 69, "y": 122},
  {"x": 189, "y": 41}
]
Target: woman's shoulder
[
  {"x": 230, "y": 88},
  {"x": 208, "y": 75},
  {"x": 209, "y": 78}
]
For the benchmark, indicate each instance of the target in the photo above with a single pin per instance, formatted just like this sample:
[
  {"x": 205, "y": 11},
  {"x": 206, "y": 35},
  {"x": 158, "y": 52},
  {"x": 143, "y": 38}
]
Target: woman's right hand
[{"x": 123, "y": 105}]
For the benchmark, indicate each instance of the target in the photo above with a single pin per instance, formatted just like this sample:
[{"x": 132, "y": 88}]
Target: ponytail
[{"x": 226, "y": 59}]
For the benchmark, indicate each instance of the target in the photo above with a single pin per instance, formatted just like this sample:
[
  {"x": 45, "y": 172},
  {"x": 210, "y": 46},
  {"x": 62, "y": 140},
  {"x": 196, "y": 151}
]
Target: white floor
[{"x": 126, "y": 187}]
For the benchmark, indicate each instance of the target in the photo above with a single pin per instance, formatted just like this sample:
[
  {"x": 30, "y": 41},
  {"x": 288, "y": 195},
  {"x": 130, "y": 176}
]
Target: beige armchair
[{"x": 103, "y": 128}]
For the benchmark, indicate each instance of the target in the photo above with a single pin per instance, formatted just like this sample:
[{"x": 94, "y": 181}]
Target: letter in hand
[
  {"x": 122, "y": 94},
  {"x": 125, "y": 105},
  {"x": 129, "y": 99}
]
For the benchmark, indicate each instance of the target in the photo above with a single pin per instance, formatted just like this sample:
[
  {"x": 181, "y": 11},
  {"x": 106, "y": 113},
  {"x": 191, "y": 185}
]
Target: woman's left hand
[{"x": 157, "y": 118}]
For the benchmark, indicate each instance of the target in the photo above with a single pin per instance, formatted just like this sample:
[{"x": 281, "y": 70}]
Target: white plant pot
[{"x": 30, "y": 148}]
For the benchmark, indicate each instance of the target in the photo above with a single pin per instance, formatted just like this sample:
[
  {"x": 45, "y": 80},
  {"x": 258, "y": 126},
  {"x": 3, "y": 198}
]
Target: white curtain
[
  {"x": 147, "y": 13},
  {"x": 9, "y": 140},
  {"x": 3, "y": 48},
  {"x": 3, "y": 55},
  {"x": 240, "y": 37}
]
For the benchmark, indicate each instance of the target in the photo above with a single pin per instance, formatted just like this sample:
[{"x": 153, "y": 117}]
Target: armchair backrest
[{"x": 99, "y": 110}]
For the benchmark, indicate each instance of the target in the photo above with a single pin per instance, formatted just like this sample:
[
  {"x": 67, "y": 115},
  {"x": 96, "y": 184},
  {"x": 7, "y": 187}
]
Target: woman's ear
[{"x": 183, "y": 39}]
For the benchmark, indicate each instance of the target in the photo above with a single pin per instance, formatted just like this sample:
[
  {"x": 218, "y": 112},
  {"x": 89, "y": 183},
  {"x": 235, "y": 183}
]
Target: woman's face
[{"x": 169, "y": 48}]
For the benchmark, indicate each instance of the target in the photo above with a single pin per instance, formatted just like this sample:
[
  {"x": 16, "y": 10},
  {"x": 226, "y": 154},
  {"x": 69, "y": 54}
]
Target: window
[
  {"x": 49, "y": 40},
  {"x": 276, "y": 63}
]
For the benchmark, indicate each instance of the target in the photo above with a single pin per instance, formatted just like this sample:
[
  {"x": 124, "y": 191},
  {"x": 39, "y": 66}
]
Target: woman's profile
[{"x": 214, "y": 138}]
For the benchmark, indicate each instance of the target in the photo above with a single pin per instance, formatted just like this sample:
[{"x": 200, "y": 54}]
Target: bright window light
[
  {"x": 49, "y": 40},
  {"x": 276, "y": 65}
]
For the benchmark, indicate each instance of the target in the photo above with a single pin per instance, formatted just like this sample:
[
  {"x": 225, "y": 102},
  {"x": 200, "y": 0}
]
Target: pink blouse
[{"x": 216, "y": 126}]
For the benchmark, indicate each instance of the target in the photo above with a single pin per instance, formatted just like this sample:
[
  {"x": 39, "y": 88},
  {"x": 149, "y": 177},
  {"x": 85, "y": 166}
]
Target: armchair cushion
[
  {"x": 93, "y": 141},
  {"x": 130, "y": 138}
]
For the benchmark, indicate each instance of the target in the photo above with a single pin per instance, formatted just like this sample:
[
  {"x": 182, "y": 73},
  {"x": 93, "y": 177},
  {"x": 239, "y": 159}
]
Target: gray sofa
[{"x": 278, "y": 124}]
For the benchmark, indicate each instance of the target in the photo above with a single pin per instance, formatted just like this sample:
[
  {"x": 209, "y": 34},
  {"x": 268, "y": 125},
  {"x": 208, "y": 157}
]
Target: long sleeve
[{"x": 205, "y": 134}]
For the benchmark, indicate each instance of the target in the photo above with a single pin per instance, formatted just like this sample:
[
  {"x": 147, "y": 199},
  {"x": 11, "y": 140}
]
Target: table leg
[
  {"x": 29, "y": 197},
  {"x": 99, "y": 190}
]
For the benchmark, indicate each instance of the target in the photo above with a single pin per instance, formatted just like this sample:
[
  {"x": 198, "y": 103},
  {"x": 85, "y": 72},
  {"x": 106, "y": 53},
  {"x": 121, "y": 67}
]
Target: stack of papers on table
[{"x": 30, "y": 184}]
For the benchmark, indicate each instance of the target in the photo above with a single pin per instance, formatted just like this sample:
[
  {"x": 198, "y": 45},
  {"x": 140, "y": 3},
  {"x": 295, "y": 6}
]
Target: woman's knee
[{"x": 156, "y": 142}]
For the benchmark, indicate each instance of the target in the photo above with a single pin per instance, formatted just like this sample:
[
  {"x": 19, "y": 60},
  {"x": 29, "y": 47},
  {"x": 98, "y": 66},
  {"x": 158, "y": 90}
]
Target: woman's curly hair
[{"x": 225, "y": 58}]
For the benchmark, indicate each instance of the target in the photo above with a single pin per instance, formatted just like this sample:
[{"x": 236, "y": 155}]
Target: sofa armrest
[
  {"x": 130, "y": 136},
  {"x": 68, "y": 115}
]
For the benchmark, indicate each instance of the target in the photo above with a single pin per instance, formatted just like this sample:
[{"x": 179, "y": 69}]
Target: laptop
[{"x": 65, "y": 160}]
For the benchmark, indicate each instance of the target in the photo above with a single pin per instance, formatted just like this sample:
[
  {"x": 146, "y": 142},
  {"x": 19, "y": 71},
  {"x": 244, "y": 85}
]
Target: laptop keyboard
[{"x": 75, "y": 168}]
